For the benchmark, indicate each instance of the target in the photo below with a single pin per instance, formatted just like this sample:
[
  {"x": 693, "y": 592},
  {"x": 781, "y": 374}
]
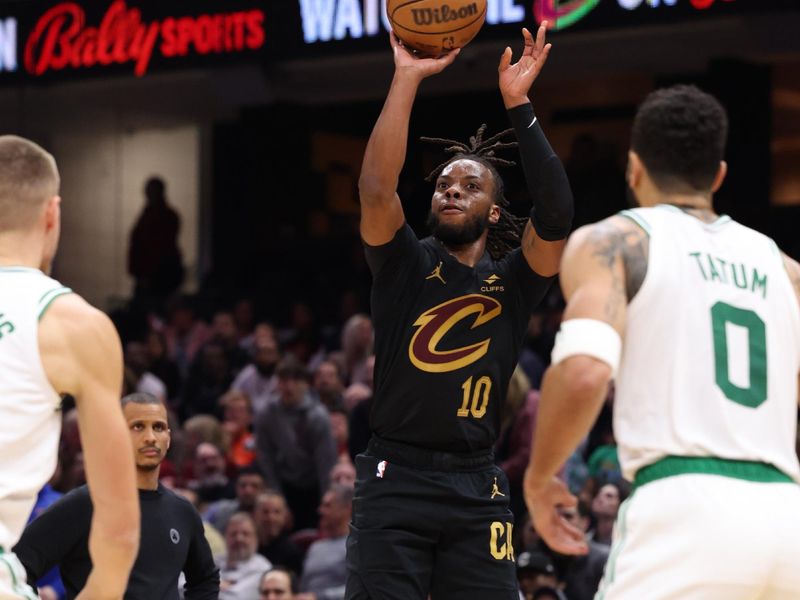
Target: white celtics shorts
[
  {"x": 12, "y": 579},
  {"x": 706, "y": 537}
]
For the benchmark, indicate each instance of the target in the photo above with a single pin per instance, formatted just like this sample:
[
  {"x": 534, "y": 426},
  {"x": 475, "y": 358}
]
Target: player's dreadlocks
[{"x": 507, "y": 233}]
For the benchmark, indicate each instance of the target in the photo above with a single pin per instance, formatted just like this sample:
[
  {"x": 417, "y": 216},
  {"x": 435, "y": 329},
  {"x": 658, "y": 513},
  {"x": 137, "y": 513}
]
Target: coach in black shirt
[{"x": 172, "y": 539}]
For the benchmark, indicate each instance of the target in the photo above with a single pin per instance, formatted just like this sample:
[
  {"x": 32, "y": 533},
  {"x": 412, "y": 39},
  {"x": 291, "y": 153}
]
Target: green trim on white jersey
[
  {"x": 47, "y": 299},
  {"x": 637, "y": 219}
]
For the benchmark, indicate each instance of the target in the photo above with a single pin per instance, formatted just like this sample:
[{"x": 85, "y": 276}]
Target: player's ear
[
  {"x": 635, "y": 170},
  {"x": 494, "y": 214},
  {"x": 722, "y": 171},
  {"x": 52, "y": 212}
]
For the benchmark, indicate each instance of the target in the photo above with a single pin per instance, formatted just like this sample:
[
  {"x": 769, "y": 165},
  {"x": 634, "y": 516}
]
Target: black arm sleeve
[
  {"x": 50, "y": 537},
  {"x": 202, "y": 575},
  {"x": 552, "y": 211}
]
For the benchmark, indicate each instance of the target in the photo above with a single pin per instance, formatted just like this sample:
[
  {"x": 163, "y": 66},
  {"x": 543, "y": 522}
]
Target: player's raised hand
[
  {"x": 408, "y": 63},
  {"x": 543, "y": 503},
  {"x": 516, "y": 79}
]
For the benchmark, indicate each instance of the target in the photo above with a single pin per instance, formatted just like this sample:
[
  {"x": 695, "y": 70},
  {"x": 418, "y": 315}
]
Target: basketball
[{"x": 432, "y": 27}]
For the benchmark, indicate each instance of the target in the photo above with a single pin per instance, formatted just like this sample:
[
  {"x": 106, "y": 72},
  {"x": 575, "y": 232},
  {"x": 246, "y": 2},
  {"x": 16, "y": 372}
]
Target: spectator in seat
[
  {"x": 238, "y": 425},
  {"x": 241, "y": 568},
  {"x": 249, "y": 484},
  {"x": 258, "y": 379},
  {"x": 295, "y": 446},
  {"x": 325, "y": 569},
  {"x": 273, "y": 524}
]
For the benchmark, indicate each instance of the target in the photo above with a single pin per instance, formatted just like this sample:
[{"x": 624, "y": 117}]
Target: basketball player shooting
[
  {"x": 697, "y": 318},
  {"x": 431, "y": 509},
  {"x": 53, "y": 343}
]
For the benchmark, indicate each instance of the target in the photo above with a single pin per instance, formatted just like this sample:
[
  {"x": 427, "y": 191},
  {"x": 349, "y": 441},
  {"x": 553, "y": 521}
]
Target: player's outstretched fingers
[
  {"x": 505, "y": 59},
  {"x": 530, "y": 43},
  {"x": 541, "y": 34}
]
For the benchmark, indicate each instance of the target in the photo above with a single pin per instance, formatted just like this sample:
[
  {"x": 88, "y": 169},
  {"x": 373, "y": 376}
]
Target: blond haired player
[
  {"x": 53, "y": 343},
  {"x": 697, "y": 318}
]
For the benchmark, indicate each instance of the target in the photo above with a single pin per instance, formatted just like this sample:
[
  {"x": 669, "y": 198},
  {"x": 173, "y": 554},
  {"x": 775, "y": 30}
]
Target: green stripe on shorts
[{"x": 746, "y": 470}]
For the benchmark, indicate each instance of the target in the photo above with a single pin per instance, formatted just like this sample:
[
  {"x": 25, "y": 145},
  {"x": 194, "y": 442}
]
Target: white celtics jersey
[
  {"x": 30, "y": 421},
  {"x": 711, "y": 352}
]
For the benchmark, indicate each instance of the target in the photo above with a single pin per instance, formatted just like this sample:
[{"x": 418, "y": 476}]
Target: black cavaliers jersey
[{"x": 447, "y": 339}]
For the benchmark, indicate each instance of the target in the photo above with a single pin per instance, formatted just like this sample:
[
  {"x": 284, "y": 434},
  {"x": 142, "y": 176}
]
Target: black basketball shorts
[{"x": 440, "y": 527}]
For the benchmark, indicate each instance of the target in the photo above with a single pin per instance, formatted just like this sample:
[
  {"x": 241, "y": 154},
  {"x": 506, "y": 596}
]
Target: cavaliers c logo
[{"x": 436, "y": 322}]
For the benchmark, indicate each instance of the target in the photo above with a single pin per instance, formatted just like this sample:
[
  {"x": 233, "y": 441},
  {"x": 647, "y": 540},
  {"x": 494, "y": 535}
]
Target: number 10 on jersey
[{"x": 476, "y": 397}]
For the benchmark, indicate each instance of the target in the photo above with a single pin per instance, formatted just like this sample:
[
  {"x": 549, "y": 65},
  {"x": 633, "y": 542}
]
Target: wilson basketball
[{"x": 433, "y": 27}]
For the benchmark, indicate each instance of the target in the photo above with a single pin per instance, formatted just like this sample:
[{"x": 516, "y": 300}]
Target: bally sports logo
[
  {"x": 62, "y": 39},
  {"x": 443, "y": 14},
  {"x": 436, "y": 322}
]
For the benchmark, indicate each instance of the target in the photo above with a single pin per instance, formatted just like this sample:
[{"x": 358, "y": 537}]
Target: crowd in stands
[{"x": 266, "y": 420}]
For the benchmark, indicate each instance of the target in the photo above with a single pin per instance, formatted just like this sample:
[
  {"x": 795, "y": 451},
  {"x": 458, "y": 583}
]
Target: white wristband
[{"x": 588, "y": 337}]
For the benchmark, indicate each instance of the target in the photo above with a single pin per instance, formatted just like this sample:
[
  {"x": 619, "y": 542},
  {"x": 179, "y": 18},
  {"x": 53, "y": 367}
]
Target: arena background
[{"x": 259, "y": 137}]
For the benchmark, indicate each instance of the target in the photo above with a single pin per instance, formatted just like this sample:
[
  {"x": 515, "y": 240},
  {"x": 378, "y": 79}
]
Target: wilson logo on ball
[{"x": 445, "y": 14}]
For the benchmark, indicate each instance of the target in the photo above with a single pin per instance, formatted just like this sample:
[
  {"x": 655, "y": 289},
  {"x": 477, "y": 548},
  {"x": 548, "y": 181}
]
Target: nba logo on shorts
[{"x": 381, "y": 469}]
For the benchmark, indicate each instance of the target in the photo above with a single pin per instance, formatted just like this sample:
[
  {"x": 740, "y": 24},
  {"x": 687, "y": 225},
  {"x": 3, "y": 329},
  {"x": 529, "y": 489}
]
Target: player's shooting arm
[
  {"x": 381, "y": 210},
  {"x": 551, "y": 215},
  {"x": 90, "y": 369}
]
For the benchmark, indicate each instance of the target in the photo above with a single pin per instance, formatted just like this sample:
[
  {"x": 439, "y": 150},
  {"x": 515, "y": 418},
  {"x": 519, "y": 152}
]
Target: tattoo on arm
[
  {"x": 635, "y": 253},
  {"x": 606, "y": 243},
  {"x": 611, "y": 241}
]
